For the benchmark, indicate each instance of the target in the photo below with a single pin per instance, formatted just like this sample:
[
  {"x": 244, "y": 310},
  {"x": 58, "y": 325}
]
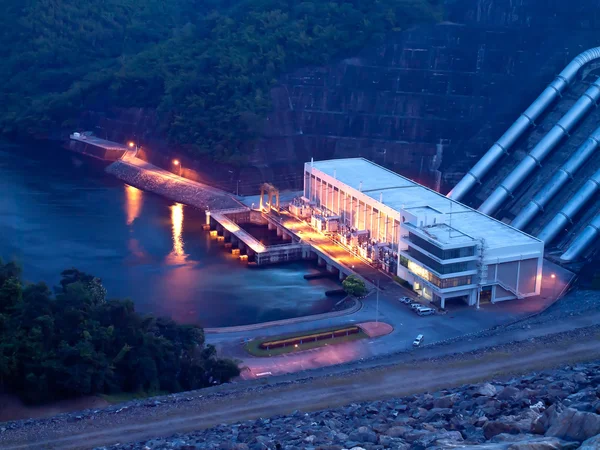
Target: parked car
[
  {"x": 425, "y": 311},
  {"x": 418, "y": 340},
  {"x": 405, "y": 300},
  {"x": 416, "y": 306}
]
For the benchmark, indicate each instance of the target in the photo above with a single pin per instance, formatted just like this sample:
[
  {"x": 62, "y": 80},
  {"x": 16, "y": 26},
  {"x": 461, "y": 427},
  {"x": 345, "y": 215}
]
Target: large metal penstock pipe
[
  {"x": 570, "y": 210},
  {"x": 583, "y": 240},
  {"x": 542, "y": 149},
  {"x": 558, "y": 181},
  {"x": 526, "y": 119}
]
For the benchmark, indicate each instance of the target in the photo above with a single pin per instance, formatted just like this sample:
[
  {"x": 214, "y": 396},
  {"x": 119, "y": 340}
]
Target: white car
[
  {"x": 418, "y": 340},
  {"x": 405, "y": 300},
  {"x": 416, "y": 306},
  {"x": 425, "y": 311}
]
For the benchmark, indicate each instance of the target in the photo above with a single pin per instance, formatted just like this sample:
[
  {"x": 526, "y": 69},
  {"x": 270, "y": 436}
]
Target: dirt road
[{"x": 252, "y": 400}]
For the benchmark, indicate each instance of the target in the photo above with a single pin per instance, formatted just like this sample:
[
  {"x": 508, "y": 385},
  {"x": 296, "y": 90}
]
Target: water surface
[{"x": 58, "y": 210}]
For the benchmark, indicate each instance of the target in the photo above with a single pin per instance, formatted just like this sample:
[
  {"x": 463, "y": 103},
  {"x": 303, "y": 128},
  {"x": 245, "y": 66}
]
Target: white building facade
[{"x": 446, "y": 251}]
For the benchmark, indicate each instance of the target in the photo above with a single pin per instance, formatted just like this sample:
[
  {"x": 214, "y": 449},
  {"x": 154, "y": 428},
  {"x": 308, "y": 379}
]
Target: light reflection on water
[
  {"x": 177, "y": 253},
  {"x": 57, "y": 213},
  {"x": 133, "y": 203}
]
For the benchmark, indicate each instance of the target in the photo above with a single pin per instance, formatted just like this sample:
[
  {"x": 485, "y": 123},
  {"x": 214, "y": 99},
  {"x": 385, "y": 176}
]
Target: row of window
[
  {"x": 439, "y": 282},
  {"x": 354, "y": 213},
  {"x": 462, "y": 252},
  {"x": 438, "y": 267}
]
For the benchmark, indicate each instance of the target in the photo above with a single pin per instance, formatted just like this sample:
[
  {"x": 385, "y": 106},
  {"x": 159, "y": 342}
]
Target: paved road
[
  {"x": 457, "y": 322},
  {"x": 251, "y": 400}
]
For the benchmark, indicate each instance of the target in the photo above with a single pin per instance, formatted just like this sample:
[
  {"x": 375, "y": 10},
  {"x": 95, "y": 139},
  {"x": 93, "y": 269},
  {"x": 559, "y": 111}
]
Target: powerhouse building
[{"x": 444, "y": 249}]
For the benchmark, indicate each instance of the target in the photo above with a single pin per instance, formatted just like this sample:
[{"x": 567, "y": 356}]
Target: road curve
[{"x": 240, "y": 403}]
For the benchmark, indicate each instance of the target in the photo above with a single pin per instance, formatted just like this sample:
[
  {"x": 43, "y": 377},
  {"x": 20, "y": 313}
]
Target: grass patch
[{"x": 253, "y": 347}]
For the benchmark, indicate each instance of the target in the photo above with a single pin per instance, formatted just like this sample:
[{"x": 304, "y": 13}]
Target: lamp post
[
  {"x": 178, "y": 164},
  {"x": 377, "y": 304},
  {"x": 553, "y": 276}
]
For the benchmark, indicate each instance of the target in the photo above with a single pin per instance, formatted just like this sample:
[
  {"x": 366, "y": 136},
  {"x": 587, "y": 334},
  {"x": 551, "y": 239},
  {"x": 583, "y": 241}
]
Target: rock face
[
  {"x": 428, "y": 100},
  {"x": 529, "y": 413}
]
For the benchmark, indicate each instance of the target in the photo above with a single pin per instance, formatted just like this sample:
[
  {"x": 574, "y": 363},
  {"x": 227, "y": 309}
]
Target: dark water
[{"x": 58, "y": 210}]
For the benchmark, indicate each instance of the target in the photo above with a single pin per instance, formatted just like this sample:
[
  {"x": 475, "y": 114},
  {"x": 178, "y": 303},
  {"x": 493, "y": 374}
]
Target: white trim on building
[{"x": 443, "y": 248}]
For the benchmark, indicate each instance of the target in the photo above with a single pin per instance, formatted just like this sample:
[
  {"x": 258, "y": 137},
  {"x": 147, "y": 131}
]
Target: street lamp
[
  {"x": 178, "y": 164},
  {"x": 553, "y": 276},
  {"x": 377, "y": 304},
  {"x": 131, "y": 144}
]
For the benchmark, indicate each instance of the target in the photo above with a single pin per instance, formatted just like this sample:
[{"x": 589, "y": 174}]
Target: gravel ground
[
  {"x": 552, "y": 410},
  {"x": 223, "y": 404}
]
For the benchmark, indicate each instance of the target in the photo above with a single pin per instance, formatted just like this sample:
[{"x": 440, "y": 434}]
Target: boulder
[
  {"x": 447, "y": 401},
  {"x": 397, "y": 431},
  {"x": 592, "y": 443},
  {"x": 543, "y": 444},
  {"x": 363, "y": 434},
  {"x": 574, "y": 425},
  {"x": 494, "y": 427},
  {"x": 509, "y": 393},
  {"x": 543, "y": 422},
  {"x": 486, "y": 390}
]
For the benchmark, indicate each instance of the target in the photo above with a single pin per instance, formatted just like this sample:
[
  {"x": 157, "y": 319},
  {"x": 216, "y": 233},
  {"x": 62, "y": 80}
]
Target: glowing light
[
  {"x": 177, "y": 226},
  {"x": 131, "y": 144},
  {"x": 552, "y": 276},
  {"x": 133, "y": 206},
  {"x": 176, "y": 162}
]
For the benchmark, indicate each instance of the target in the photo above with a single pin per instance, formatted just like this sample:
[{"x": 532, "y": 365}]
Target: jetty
[
  {"x": 95, "y": 147},
  {"x": 226, "y": 226}
]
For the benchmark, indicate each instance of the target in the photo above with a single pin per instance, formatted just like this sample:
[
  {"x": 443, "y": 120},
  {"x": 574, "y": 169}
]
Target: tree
[
  {"x": 205, "y": 66},
  {"x": 74, "y": 343},
  {"x": 354, "y": 286}
]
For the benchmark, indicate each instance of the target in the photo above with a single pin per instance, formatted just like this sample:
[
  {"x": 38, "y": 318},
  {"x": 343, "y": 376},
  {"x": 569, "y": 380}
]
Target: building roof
[{"x": 398, "y": 192}]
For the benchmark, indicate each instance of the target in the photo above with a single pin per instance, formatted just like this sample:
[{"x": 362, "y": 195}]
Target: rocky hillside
[
  {"x": 556, "y": 410},
  {"x": 427, "y": 102}
]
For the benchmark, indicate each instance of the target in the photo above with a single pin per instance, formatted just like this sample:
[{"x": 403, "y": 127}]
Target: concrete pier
[
  {"x": 224, "y": 226},
  {"x": 96, "y": 147}
]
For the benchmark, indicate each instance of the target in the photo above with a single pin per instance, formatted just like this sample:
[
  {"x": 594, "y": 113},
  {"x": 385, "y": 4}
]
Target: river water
[{"x": 59, "y": 210}]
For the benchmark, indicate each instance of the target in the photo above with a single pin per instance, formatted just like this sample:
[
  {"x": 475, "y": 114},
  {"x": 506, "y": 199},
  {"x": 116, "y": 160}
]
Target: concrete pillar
[
  {"x": 329, "y": 267},
  {"x": 443, "y": 303},
  {"x": 320, "y": 261}
]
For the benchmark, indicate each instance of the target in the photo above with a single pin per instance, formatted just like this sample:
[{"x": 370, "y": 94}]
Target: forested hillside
[
  {"x": 77, "y": 342},
  {"x": 206, "y": 66}
]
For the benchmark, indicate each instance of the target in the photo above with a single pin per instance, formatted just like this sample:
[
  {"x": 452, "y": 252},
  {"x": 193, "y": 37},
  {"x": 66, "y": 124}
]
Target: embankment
[{"x": 150, "y": 178}]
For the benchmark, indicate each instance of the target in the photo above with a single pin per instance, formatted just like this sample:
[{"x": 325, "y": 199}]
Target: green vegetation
[
  {"x": 75, "y": 342},
  {"x": 206, "y": 66},
  {"x": 402, "y": 282},
  {"x": 254, "y": 346},
  {"x": 354, "y": 286}
]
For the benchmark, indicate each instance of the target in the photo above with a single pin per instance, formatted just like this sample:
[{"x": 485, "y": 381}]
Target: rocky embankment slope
[
  {"x": 553, "y": 410},
  {"x": 143, "y": 175}
]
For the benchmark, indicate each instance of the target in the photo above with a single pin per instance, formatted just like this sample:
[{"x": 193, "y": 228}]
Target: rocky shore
[{"x": 553, "y": 410}]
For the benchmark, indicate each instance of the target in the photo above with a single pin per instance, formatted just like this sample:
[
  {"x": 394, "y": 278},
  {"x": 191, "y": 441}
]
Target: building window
[
  {"x": 462, "y": 252},
  {"x": 438, "y": 267},
  {"x": 440, "y": 283}
]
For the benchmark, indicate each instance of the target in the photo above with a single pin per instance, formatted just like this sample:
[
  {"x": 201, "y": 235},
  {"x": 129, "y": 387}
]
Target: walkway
[{"x": 334, "y": 250}]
